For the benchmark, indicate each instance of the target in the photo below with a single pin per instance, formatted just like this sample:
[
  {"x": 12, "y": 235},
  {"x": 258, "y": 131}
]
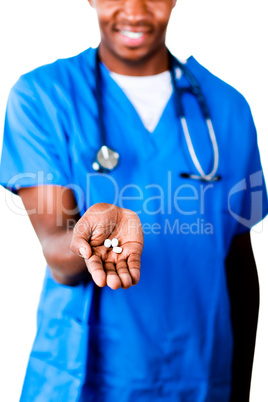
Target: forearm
[
  {"x": 47, "y": 206},
  {"x": 66, "y": 267},
  {"x": 244, "y": 297}
]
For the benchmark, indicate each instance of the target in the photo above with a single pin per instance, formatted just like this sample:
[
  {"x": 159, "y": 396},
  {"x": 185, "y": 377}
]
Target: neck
[{"x": 150, "y": 64}]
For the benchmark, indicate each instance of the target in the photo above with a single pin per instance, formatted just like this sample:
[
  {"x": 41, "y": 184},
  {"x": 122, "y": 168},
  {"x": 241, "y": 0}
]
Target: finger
[
  {"x": 134, "y": 266},
  {"x": 123, "y": 272},
  {"x": 113, "y": 280},
  {"x": 95, "y": 268},
  {"x": 80, "y": 238}
]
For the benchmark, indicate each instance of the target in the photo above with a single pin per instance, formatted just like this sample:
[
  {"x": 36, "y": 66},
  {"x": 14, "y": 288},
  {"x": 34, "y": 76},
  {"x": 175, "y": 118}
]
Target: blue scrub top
[{"x": 169, "y": 338}]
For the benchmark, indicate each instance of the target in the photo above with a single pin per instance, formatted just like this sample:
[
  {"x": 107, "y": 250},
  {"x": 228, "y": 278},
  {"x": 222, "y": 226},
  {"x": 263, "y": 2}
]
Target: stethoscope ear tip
[
  {"x": 200, "y": 178},
  {"x": 185, "y": 175}
]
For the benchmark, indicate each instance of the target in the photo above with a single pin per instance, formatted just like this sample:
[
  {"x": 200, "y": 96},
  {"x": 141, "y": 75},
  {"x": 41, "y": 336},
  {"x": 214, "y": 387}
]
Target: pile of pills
[{"x": 113, "y": 243}]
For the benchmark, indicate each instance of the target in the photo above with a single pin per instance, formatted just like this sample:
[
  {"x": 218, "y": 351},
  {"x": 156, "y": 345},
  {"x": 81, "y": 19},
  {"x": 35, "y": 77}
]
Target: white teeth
[{"x": 132, "y": 35}]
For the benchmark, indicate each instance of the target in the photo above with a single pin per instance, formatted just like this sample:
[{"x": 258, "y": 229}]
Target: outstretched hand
[{"x": 106, "y": 221}]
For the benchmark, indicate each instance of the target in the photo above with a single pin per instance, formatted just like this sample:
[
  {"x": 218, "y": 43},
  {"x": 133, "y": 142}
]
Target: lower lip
[{"x": 131, "y": 42}]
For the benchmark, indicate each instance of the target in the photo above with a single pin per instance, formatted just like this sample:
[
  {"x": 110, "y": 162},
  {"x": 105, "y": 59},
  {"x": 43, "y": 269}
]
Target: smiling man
[
  {"x": 133, "y": 35},
  {"x": 102, "y": 146}
]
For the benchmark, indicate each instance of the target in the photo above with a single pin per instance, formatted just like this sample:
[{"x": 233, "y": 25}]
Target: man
[{"x": 186, "y": 331}]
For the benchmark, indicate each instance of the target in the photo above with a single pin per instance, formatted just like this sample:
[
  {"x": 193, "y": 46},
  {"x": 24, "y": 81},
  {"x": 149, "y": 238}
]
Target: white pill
[
  {"x": 114, "y": 242},
  {"x": 117, "y": 250},
  {"x": 107, "y": 243}
]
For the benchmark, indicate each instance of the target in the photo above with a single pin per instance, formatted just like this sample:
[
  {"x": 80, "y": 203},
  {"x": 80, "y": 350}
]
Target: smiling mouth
[{"x": 132, "y": 35}]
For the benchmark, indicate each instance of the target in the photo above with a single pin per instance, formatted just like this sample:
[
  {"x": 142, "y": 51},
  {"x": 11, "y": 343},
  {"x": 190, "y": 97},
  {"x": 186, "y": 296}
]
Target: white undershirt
[{"x": 148, "y": 94}]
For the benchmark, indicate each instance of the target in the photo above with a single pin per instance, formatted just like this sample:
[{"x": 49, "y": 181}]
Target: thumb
[
  {"x": 80, "y": 240},
  {"x": 81, "y": 247}
]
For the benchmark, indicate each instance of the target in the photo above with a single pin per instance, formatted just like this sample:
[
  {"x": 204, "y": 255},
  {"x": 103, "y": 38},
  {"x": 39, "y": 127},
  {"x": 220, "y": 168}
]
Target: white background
[{"x": 228, "y": 37}]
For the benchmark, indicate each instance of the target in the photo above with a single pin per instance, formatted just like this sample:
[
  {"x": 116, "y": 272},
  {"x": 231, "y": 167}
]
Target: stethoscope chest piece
[{"x": 106, "y": 160}]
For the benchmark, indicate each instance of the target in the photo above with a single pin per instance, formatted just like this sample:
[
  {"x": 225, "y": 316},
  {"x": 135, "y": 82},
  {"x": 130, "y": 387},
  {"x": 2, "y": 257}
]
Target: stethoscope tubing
[
  {"x": 196, "y": 91},
  {"x": 203, "y": 176}
]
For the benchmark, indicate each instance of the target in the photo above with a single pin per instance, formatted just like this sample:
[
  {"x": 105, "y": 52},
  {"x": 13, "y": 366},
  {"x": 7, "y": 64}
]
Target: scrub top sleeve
[
  {"x": 31, "y": 143},
  {"x": 251, "y": 189}
]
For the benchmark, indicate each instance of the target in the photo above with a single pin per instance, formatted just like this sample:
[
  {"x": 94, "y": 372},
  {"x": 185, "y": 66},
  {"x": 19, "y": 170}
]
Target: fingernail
[{"x": 83, "y": 252}]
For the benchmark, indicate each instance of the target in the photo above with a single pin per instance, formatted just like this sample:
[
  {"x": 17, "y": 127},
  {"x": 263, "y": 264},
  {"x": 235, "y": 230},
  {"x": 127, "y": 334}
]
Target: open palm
[{"x": 106, "y": 221}]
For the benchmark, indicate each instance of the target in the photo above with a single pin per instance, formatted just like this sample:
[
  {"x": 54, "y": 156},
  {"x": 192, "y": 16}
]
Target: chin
[{"x": 133, "y": 55}]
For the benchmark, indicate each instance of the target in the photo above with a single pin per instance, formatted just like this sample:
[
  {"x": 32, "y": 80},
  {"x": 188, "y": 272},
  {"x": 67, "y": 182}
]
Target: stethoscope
[{"x": 107, "y": 159}]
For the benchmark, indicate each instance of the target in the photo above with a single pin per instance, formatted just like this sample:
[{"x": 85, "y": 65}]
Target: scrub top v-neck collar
[{"x": 151, "y": 141}]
